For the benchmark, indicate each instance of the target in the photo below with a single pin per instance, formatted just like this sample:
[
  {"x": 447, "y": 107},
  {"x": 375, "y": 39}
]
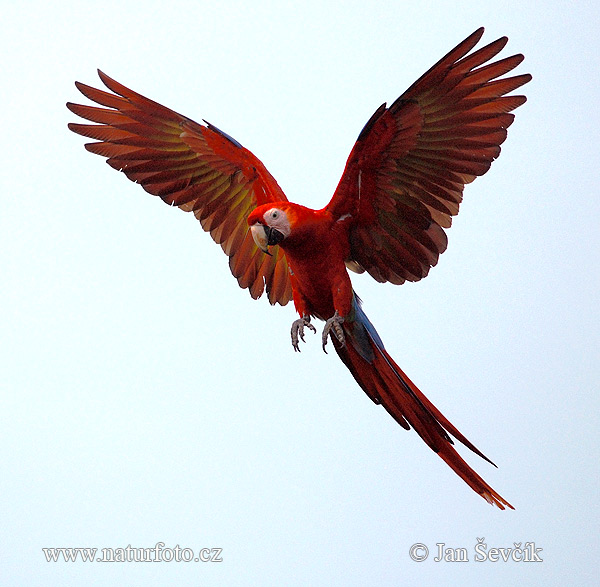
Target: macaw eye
[{"x": 274, "y": 214}]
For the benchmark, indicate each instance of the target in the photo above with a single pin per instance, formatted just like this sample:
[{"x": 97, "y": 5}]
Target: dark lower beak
[
  {"x": 264, "y": 236},
  {"x": 274, "y": 237}
]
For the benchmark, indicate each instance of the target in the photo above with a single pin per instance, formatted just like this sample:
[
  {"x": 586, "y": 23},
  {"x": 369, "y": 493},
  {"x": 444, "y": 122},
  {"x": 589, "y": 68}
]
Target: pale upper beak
[{"x": 260, "y": 237}]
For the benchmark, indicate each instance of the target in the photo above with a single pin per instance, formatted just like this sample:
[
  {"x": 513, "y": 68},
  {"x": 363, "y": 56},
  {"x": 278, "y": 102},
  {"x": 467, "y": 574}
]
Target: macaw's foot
[
  {"x": 298, "y": 330},
  {"x": 333, "y": 326}
]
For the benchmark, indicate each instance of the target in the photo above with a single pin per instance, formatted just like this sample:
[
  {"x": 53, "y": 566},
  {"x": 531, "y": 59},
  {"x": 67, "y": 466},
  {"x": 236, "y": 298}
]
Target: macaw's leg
[
  {"x": 333, "y": 326},
  {"x": 298, "y": 330}
]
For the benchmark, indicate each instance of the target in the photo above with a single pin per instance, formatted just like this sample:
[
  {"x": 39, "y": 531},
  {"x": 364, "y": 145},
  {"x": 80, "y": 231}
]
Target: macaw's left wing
[
  {"x": 405, "y": 175},
  {"x": 198, "y": 168}
]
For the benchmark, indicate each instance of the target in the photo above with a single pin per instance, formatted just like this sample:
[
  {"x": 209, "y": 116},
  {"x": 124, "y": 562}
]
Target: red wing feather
[
  {"x": 198, "y": 168},
  {"x": 405, "y": 176}
]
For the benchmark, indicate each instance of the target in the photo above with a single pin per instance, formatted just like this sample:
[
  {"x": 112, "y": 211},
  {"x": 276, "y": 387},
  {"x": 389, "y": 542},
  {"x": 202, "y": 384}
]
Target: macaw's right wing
[{"x": 198, "y": 168}]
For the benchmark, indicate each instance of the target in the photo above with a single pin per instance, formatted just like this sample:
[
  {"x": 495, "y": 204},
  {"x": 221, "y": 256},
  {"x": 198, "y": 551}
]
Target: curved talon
[
  {"x": 298, "y": 330},
  {"x": 332, "y": 326}
]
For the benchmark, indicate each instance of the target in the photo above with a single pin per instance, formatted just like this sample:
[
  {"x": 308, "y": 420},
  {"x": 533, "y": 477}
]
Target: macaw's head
[{"x": 270, "y": 224}]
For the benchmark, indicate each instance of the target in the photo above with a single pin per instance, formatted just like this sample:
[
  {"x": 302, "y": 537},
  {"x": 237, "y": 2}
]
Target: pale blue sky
[{"x": 146, "y": 398}]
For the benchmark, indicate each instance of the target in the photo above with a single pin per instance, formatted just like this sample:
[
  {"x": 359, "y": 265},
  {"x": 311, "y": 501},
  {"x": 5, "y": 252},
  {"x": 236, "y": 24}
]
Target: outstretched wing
[
  {"x": 405, "y": 176},
  {"x": 198, "y": 168}
]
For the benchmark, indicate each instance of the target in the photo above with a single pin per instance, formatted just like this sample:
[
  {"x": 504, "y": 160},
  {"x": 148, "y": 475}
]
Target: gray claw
[
  {"x": 333, "y": 327},
  {"x": 298, "y": 331}
]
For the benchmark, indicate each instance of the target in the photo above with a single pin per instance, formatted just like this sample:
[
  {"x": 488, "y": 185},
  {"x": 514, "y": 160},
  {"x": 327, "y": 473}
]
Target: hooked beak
[{"x": 265, "y": 236}]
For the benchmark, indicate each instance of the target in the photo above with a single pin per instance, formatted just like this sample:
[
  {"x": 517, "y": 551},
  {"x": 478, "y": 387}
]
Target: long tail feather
[{"x": 386, "y": 384}]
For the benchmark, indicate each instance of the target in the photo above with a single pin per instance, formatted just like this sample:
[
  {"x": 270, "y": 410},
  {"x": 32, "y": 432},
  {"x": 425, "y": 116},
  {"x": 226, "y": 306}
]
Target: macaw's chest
[{"x": 320, "y": 283}]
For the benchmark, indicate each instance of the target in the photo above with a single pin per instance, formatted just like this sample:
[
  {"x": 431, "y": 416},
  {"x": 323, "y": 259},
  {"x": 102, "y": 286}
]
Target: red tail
[{"x": 386, "y": 384}]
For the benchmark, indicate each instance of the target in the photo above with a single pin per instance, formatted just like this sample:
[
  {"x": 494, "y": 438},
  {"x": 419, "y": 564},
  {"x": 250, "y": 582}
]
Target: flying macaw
[{"x": 402, "y": 184}]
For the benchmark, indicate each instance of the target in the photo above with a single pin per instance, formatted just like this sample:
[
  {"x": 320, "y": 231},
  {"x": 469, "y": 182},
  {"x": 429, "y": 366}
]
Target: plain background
[{"x": 146, "y": 398}]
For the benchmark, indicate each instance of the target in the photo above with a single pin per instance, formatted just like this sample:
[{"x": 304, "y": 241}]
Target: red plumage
[{"x": 402, "y": 184}]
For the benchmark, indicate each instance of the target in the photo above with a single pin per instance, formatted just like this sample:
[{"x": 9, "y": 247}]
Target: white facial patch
[{"x": 277, "y": 219}]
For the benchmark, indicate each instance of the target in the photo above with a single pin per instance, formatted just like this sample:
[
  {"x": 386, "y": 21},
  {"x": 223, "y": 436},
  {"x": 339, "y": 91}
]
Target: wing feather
[
  {"x": 197, "y": 168},
  {"x": 405, "y": 176}
]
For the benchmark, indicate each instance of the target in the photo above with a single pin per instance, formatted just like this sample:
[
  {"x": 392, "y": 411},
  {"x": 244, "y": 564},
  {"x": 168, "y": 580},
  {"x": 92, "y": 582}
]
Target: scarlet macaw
[{"x": 402, "y": 183}]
